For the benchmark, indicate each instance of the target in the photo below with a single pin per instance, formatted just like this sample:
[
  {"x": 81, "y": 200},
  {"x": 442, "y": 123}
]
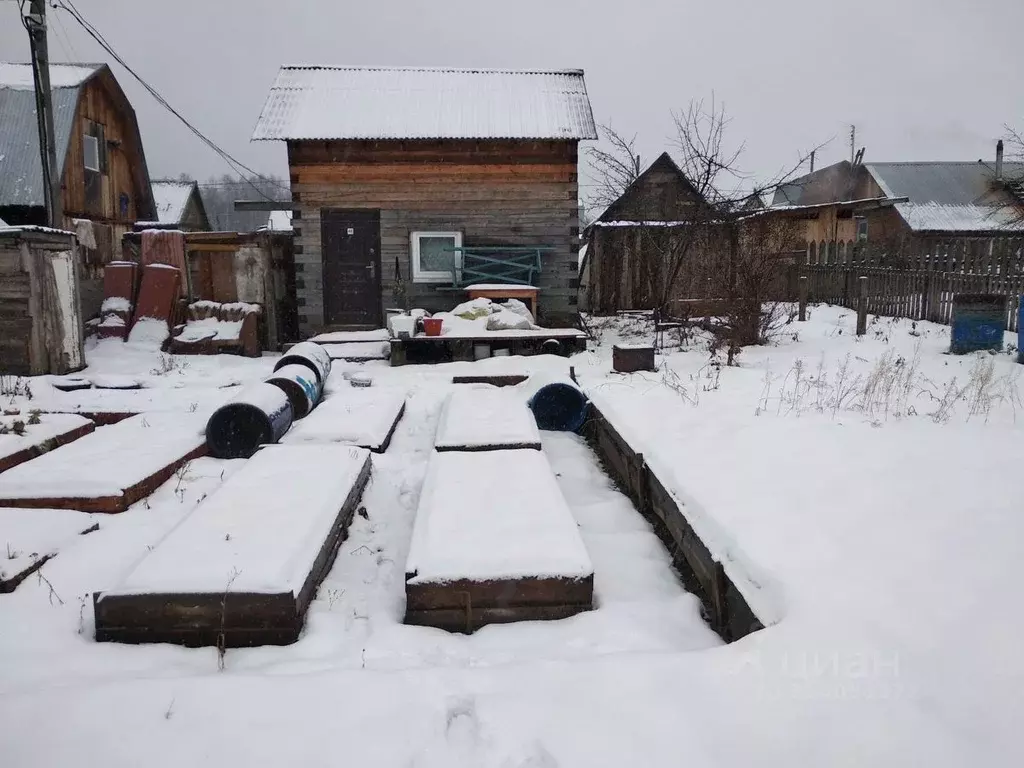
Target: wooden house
[
  {"x": 105, "y": 185},
  {"x": 104, "y": 179},
  {"x": 899, "y": 202},
  {"x": 626, "y": 245},
  {"x": 408, "y": 185},
  {"x": 178, "y": 206}
]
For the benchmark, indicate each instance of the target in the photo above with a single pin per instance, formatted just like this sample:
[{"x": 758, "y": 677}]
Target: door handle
[{"x": 373, "y": 270}]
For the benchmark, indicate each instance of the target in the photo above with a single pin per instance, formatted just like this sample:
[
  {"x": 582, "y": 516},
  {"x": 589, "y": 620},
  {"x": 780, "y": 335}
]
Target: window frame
[
  {"x": 420, "y": 275},
  {"x": 85, "y": 153},
  {"x": 860, "y": 224}
]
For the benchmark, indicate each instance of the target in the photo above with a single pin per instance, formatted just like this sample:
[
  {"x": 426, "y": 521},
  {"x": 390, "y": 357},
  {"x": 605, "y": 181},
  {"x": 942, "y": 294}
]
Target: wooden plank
[
  {"x": 497, "y": 380},
  {"x": 256, "y": 589}
]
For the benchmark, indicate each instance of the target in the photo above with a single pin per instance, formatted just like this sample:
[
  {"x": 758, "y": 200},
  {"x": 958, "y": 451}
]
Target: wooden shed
[
  {"x": 40, "y": 313},
  {"x": 410, "y": 184},
  {"x": 104, "y": 179},
  {"x": 626, "y": 244}
]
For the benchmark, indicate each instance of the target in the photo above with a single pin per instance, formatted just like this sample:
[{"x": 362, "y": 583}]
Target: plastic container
[
  {"x": 557, "y": 403},
  {"x": 481, "y": 351},
  {"x": 432, "y": 326},
  {"x": 309, "y": 354},
  {"x": 979, "y": 321},
  {"x": 1020, "y": 331},
  {"x": 260, "y": 414},
  {"x": 301, "y": 385}
]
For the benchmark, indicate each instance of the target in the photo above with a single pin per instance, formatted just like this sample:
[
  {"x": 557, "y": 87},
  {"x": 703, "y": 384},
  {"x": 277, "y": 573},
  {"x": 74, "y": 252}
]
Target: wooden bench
[{"x": 213, "y": 328}]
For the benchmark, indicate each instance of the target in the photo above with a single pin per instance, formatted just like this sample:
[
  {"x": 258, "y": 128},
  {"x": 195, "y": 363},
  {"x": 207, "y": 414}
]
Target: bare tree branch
[{"x": 613, "y": 169}]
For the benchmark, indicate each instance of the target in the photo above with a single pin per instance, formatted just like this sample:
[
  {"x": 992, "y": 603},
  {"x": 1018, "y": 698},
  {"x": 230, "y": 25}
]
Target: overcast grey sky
[{"x": 921, "y": 79}]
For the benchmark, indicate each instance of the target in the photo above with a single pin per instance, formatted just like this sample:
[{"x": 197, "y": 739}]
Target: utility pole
[
  {"x": 853, "y": 142},
  {"x": 35, "y": 23}
]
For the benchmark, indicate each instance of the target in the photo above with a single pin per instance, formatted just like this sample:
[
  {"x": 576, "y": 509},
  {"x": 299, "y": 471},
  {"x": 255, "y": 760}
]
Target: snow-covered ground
[{"x": 870, "y": 499}]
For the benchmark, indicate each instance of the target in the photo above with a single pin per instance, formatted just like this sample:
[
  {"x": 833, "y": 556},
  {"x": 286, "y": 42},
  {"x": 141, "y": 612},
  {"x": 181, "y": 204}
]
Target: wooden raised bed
[
  {"x": 109, "y": 469},
  {"x": 53, "y": 431},
  {"x": 242, "y": 569},
  {"x": 512, "y": 553},
  {"x": 726, "y": 609},
  {"x": 505, "y": 380},
  {"x": 486, "y": 419},
  {"x": 366, "y": 418},
  {"x": 30, "y": 537}
]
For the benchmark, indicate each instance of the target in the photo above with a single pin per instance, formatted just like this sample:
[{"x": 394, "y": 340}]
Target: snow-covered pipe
[
  {"x": 259, "y": 415},
  {"x": 302, "y": 386},
  {"x": 311, "y": 355}
]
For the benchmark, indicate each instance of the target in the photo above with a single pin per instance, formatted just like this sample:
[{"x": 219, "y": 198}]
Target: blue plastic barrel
[
  {"x": 261, "y": 414},
  {"x": 1020, "y": 331},
  {"x": 979, "y": 321},
  {"x": 302, "y": 386},
  {"x": 559, "y": 407}
]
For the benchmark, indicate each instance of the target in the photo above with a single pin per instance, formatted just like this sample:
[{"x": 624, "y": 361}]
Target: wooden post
[
  {"x": 803, "y": 298},
  {"x": 862, "y": 306}
]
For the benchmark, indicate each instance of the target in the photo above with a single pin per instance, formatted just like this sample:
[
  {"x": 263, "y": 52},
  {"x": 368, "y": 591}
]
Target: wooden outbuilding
[
  {"x": 627, "y": 243},
  {"x": 410, "y": 185},
  {"x": 40, "y": 312},
  {"x": 105, "y": 185}
]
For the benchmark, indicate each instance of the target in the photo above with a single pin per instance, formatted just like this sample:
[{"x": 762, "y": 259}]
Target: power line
[
  {"x": 73, "y": 55},
  {"x": 235, "y": 164}
]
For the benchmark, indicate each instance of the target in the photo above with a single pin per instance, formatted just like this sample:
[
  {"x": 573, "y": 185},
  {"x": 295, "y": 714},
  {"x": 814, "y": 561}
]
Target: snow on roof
[
  {"x": 171, "y": 199},
  {"x": 19, "y": 76},
  {"x": 936, "y": 217},
  {"x": 423, "y": 103},
  {"x": 3, "y": 223}
]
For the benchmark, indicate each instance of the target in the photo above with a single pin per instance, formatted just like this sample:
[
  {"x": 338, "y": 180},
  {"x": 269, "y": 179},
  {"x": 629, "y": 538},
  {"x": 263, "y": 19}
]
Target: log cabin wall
[{"x": 496, "y": 192}]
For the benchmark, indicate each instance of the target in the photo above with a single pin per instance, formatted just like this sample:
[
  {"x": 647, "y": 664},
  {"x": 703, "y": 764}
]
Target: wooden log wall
[{"x": 494, "y": 192}]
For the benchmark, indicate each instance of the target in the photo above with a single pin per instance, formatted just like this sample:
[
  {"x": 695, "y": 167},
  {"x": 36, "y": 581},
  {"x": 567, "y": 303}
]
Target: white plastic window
[{"x": 433, "y": 261}]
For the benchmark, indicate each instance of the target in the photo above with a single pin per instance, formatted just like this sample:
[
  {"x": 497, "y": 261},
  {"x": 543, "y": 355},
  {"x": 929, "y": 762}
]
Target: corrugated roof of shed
[
  {"x": 425, "y": 103},
  {"x": 21, "y": 174}
]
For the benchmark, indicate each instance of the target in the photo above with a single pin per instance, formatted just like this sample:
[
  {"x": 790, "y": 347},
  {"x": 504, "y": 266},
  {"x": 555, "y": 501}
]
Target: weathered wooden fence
[{"x": 919, "y": 280}]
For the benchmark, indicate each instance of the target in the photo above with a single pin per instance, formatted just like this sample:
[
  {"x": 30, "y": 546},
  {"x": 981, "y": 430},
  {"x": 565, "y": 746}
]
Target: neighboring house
[
  {"x": 405, "y": 181},
  {"x": 626, "y": 245},
  {"x": 178, "y": 206},
  {"x": 104, "y": 181},
  {"x": 889, "y": 202}
]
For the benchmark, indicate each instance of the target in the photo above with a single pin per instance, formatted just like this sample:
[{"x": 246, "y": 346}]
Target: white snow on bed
[
  {"x": 126, "y": 452},
  {"x": 481, "y": 416},
  {"x": 50, "y": 425},
  {"x": 149, "y": 331},
  {"x": 28, "y": 535},
  {"x": 491, "y": 515},
  {"x": 259, "y": 532},
  {"x": 362, "y": 417},
  {"x": 341, "y": 337}
]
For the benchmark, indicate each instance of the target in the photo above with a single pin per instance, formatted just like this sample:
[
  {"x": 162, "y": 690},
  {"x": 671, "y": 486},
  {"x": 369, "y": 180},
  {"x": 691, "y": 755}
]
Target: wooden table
[{"x": 527, "y": 293}]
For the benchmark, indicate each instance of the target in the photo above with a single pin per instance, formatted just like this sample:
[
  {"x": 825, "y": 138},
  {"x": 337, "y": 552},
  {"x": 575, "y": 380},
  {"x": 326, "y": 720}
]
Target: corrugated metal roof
[
  {"x": 420, "y": 103},
  {"x": 21, "y": 174},
  {"x": 952, "y": 197},
  {"x": 942, "y": 183}
]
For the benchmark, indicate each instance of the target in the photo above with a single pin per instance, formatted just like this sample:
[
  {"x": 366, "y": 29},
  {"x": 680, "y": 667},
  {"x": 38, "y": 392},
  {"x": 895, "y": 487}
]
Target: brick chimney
[{"x": 999, "y": 160}]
